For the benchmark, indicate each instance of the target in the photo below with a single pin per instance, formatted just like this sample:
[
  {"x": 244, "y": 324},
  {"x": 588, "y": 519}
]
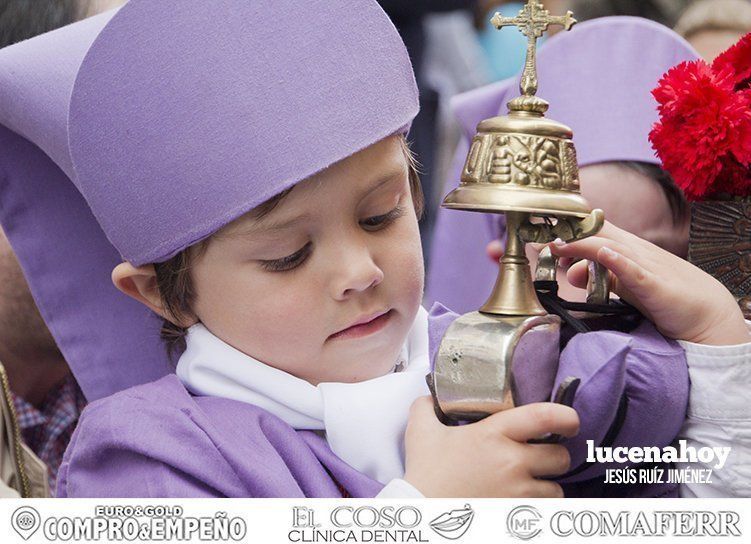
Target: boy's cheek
[{"x": 407, "y": 270}]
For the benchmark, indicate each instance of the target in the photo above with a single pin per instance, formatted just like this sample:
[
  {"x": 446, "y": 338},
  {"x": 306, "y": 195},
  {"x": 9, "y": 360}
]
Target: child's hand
[
  {"x": 683, "y": 301},
  {"x": 490, "y": 458}
]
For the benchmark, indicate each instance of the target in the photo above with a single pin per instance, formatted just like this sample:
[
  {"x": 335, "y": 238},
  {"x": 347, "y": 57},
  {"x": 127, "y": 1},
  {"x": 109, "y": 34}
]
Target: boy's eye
[
  {"x": 289, "y": 262},
  {"x": 380, "y": 221}
]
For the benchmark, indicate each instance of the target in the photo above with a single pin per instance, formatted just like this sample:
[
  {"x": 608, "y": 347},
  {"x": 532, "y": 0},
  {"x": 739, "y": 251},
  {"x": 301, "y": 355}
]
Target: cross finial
[{"x": 533, "y": 20}]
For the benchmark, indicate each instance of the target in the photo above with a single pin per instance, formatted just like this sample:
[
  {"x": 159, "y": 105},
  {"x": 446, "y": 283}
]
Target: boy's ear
[{"x": 140, "y": 283}]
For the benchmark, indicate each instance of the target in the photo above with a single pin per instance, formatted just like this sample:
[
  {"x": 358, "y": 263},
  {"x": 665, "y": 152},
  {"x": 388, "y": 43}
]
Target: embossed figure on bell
[{"x": 522, "y": 165}]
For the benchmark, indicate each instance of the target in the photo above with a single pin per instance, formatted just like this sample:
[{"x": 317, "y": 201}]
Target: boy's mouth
[{"x": 364, "y": 326}]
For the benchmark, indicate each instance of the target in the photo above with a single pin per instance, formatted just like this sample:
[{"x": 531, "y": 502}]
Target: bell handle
[
  {"x": 598, "y": 284},
  {"x": 547, "y": 265},
  {"x": 567, "y": 228},
  {"x": 598, "y": 281},
  {"x": 584, "y": 228}
]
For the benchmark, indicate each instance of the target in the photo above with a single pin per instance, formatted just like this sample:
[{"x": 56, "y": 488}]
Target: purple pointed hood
[{"x": 134, "y": 134}]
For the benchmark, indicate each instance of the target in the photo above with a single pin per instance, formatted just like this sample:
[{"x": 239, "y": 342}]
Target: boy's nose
[{"x": 355, "y": 272}]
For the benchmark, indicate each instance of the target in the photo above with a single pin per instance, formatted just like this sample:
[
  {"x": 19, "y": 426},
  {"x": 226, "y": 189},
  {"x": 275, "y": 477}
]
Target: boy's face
[{"x": 326, "y": 285}]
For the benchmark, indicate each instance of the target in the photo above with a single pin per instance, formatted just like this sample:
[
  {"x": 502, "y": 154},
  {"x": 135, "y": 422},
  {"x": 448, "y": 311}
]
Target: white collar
[{"x": 364, "y": 422}]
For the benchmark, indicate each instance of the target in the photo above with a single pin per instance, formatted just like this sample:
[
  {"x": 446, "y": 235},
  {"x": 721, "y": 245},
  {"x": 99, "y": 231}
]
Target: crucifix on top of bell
[
  {"x": 522, "y": 165},
  {"x": 533, "y": 21}
]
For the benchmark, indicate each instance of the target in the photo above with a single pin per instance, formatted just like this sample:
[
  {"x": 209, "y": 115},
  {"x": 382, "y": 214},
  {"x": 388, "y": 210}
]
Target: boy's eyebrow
[
  {"x": 385, "y": 179},
  {"x": 267, "y": 224},
  {"x": 271, "y": 224}
]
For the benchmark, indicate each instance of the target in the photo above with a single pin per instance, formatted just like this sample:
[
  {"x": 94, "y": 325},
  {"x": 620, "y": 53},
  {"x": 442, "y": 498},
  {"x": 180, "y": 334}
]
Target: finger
[
  {"x": 587, "y": 248},
  {"x": 543, "y": 489},
  {"x": 634, "y": 281},
  {"x": 578, "y": 276},
  {"x": 534, "y": 421},
  {"x": 548, "y": 459},
  {"x": 495, "y": 250},
  {"x": 621, "y": 241},
  {"x": 637, "y": 289}
]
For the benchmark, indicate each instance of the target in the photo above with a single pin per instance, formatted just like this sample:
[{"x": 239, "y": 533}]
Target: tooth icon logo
[
  {"x": 25, "y": 521},
  {"x": 452, "y": 525}
]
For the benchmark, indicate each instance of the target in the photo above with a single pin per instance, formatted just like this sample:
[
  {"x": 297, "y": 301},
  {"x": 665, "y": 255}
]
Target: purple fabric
[
  {"x": 460, "y": 238},
  {"x": 156, "y": 440},
  {"x": 173, "y": 118},
  {"x": 440, "y": 318},
  {"x": 67, "y": 262},
  {"x": 250, "y": 98},
  {"x": 648, "y": 369},
  {"x": 598, "y": 81}
]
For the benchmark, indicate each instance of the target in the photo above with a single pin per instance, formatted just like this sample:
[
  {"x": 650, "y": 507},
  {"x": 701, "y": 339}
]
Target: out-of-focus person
[
  {"x": 666, "y": 12},
  {"x": 464, "y": 51},
  {"x": 24, "y": 19},
  {"x": 46, "y": 399},
  {"x": 712, "y": 26},
  {"x": 409, "y": 18}
]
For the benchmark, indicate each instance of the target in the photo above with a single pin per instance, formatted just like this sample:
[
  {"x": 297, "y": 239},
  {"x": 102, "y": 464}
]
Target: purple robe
[{"x": 157, "y": 440}]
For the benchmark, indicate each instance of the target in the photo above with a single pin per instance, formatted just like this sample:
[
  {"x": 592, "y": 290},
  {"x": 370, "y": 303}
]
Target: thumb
[
  {"x": 578, "y": 274},
  {"x": 422, "y": 415}
]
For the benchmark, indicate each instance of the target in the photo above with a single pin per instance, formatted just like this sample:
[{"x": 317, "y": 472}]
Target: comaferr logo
[
  {"x": 677, "y": 523},
  {"x": 526, "y": 523}
]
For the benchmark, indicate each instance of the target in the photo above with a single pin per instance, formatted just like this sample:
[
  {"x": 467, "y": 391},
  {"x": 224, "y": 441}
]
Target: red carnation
[
  {"x": 738, "y": 60},
  {"x": 704, "y": 134}
]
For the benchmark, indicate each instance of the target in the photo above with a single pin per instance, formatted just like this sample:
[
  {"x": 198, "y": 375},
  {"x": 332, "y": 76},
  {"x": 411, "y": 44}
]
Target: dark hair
[
  {"x": 175, "y": 283},
  {"x": 24, "y": 19},
  {"x": 676, "y": 199}
]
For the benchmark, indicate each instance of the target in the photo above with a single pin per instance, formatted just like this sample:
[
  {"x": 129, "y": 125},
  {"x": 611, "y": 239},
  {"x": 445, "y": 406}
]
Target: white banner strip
[{"x": 284, "y": 521}]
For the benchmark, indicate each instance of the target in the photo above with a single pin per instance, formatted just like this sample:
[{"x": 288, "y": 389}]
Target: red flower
[
  {"x": 704, "y": 134},
  {"x": 738, "y": 60}
]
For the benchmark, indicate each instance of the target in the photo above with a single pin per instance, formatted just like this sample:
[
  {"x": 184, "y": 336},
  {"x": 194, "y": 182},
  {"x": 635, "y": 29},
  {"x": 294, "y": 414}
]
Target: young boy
[{"x": 247, "y": 162}]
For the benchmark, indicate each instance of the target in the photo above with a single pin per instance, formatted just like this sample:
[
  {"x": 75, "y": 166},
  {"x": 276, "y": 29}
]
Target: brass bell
[{"x": 522, "y": 165}]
